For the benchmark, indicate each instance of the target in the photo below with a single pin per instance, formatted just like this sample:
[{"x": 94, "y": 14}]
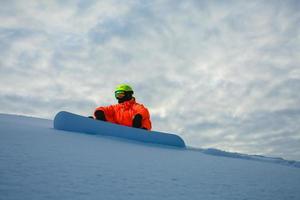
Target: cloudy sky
[{"x": 221, "y": 74}]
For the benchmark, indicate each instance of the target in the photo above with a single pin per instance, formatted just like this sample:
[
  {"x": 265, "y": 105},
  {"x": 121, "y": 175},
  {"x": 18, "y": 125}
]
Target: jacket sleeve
[
  {"x": 108, "y": 111},
  {"x": 146, "y": 122}
]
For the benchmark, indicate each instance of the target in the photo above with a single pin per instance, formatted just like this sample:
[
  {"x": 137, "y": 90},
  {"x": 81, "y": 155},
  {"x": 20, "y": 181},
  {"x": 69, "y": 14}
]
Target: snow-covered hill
[{"x": 39, "y": 162}]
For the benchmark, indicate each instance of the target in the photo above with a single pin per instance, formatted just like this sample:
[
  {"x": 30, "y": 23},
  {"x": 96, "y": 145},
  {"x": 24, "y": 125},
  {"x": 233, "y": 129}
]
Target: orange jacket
[{"x": 123, "y": 113}]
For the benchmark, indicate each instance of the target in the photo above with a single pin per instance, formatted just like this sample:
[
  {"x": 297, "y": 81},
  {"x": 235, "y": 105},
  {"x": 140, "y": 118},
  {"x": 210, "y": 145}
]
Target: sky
[{"x": 221, "y": 74}]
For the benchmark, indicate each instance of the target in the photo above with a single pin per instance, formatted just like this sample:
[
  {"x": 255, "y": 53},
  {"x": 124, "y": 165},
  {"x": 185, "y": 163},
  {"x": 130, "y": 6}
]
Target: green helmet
[{"x": 123, "y": 87}]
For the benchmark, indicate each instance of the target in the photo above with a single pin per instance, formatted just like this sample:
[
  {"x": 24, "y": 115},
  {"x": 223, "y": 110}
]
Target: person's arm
[
  {"x": 146, "y": 123},
  {"x": 142, "y": 119},
  {"x": 104, "y": 113}
]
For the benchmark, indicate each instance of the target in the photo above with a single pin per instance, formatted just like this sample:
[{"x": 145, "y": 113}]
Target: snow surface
[{"x": 39, "y": 162}]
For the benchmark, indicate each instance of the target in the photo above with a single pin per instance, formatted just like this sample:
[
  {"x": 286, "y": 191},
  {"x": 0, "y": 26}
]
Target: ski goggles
[{"x": 119, "y": 94}]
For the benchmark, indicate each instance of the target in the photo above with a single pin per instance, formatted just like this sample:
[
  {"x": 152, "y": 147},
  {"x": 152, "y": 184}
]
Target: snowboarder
[{"x": 127, "y": 112}]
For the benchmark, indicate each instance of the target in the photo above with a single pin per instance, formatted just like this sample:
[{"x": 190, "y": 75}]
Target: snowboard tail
[{"x": 71, "y": 122}]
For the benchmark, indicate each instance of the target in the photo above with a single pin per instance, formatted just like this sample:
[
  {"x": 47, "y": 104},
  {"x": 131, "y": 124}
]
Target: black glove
[
  {"x": 137, "y": 121},
  {"x": 99, "y": 114}
]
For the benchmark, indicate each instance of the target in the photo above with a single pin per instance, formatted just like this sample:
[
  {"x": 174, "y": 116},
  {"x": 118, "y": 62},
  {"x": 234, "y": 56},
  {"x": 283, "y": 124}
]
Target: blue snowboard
[{"x": 71, "y": 122}]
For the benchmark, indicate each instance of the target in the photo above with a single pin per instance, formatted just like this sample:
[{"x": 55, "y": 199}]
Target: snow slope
[{"x": 39, "y": 162}]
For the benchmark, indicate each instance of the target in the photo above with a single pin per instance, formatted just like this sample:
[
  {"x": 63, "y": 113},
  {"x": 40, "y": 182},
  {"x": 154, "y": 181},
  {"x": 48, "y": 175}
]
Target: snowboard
[{"x": 72, "y": 122}]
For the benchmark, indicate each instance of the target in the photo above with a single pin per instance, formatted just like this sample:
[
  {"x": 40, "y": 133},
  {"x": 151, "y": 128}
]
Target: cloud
[{"x": 222, "y": 75}]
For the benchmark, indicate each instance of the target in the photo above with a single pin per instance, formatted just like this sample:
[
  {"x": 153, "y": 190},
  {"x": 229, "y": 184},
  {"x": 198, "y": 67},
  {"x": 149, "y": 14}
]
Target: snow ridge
[
  {"x": 276, "y": 160},
  {"x": 208, "y": 151}
]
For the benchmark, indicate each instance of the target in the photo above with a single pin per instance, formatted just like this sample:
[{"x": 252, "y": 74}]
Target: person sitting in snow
[{"x": 127, "y": 112}]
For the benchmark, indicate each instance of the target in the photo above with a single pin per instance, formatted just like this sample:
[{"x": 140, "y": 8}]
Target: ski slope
[{"x": 39, "y": 162}]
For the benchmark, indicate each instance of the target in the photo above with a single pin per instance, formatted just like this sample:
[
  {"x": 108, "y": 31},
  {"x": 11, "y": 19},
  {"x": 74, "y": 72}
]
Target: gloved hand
[
  {"x": 100, "y": 115},
  {"x": 137, "y": 121}
]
